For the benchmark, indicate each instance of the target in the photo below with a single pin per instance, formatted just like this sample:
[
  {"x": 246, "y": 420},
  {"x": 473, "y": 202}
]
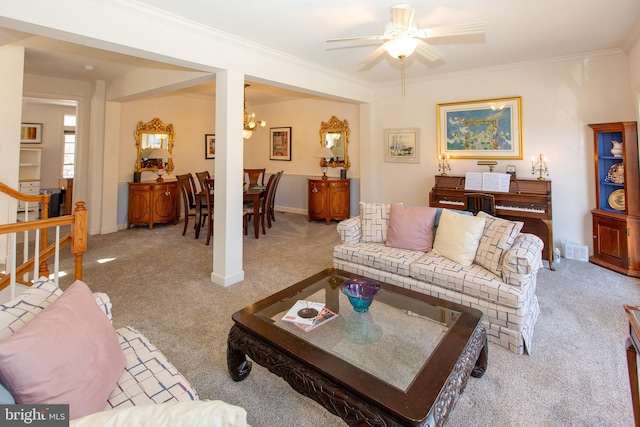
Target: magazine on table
[
  {"x": 296, "y": 314},
  {"x": 325, "y": 315}
]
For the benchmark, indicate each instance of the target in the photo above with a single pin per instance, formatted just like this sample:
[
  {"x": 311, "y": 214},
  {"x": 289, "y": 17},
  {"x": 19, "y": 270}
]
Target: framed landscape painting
[
  {"x": 280, "y": 147},
  {"x": 490, "y": 128},
  {"x": 402, "y": 145},
  {"x": 31, "y": 133},
  {"x": 210, "y": 146}
]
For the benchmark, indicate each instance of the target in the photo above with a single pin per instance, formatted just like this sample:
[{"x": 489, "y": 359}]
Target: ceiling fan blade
[
  {"x": 346, "y": 39},
  {"x": 373, "y": 55},
  {"x": 402, "y": 16},
  {"x": 430, "y": 52},
  {"x": 452, "y": 30}
]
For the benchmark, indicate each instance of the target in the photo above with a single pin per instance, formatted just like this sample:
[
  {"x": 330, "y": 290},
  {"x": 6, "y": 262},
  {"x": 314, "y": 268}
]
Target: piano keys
[{"x": 528, "y": 201}]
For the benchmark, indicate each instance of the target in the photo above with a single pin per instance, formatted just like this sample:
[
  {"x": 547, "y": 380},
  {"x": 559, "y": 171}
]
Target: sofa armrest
[
  {"x": 522, "y": 260},
  {"x": 350, "y": 230}
]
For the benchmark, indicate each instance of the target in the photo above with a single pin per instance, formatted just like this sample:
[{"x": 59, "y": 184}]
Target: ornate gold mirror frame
[
  {"x": 154, "y": 134},
  {"x": 334, "y": 134}
]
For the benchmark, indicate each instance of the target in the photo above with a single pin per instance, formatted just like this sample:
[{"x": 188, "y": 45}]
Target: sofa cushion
[
  {"x": 472, "y": 281},
  {"x": 379, "y": 256},
  {"x": 69, "y": 353},
  {"x": 411, "y": 227},
  {"x": 210, "y": 413},
  {"x": 497, "y": 238},
  {"x": 458, "y": 236},
  {"x": 16, "y": 313},
  {"x": 375, "y": 220}
]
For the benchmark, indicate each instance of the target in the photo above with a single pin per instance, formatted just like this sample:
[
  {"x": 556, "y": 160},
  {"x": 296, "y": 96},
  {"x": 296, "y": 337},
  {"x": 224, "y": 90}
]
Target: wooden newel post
[{"x": 79, "y": 238}]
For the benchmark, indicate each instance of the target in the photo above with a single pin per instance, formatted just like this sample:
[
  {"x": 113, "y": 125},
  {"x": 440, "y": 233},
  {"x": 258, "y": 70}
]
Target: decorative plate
[
  {"x": 616, "y": 200},
  {"x": 616, "y": 174}
]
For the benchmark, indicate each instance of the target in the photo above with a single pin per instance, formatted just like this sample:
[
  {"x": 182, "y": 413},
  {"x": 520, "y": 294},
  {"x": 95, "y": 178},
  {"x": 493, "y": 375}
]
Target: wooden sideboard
[
  {"x": 153, "y": 202},
  {"x": 329, "y": 198}
]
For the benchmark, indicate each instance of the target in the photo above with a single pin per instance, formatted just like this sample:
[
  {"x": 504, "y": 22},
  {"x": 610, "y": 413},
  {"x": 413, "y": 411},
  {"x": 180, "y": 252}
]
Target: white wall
[{"x": 559, "y": 99}]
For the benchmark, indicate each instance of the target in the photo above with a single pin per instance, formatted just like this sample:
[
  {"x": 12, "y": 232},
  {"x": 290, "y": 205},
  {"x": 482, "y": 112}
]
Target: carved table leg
[
  {"x": 483, "y": 358},
  {"x": 237, "y": 364}
]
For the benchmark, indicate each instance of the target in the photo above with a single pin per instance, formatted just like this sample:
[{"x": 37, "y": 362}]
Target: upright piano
[{"x": 528, "y": 201}]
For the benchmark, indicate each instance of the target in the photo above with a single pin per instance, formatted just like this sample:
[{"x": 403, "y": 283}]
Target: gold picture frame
[{"x": 484, "y": 129}]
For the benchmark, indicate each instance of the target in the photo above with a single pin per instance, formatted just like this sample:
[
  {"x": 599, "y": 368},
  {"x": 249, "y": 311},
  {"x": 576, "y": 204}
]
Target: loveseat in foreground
[
  {"x": 60, "y": 347},
  {"x": 500, "y": 279}
]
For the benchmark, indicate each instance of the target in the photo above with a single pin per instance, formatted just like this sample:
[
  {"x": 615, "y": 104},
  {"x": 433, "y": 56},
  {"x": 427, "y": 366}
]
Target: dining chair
[
  {"x": 476, "y": 202},
  {"x": 202, "y": 177},
  {"x": 208, "y": 198},
  {"x": 264, "y": 207},
  {"x": 256, "y": 176},
  {"x": 187, "y": 185},
  {"x": 271, "y": 216}
]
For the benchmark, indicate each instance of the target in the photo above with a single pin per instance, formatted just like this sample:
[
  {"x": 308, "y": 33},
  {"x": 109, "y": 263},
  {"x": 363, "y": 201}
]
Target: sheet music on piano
[{"x": 487, "y": 181}]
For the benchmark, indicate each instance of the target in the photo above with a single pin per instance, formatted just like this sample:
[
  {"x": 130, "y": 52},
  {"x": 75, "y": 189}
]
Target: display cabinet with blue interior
[{"x": 616, "y": 218}]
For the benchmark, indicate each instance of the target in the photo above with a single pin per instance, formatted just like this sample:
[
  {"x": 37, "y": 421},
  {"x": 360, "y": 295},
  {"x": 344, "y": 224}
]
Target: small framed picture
[
  {"x": 511, "y": 170},
  {"x": 402, "y": 145},
  {"x": 210, "y": 146},
  {"x": 280, "y": 148},
  {"x": 31, "y": 133}
]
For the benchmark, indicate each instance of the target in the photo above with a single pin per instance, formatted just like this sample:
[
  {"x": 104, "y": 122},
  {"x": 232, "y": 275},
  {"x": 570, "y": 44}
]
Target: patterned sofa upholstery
[
  {"x": 507, "y": 300},
  {"x": 148, "y": 378}
]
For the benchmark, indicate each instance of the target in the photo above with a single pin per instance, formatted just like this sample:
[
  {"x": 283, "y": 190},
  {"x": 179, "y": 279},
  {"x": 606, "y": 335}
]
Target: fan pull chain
[{"x": 402, "y": 72}]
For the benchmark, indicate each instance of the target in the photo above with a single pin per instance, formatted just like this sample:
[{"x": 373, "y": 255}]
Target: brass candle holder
[
  {"x": 443, "y": 164},
  {"x": 539, "y": 166}
]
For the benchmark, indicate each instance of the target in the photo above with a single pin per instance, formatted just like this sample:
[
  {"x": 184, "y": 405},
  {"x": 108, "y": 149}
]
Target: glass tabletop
[{"x": 392, "y": 341}]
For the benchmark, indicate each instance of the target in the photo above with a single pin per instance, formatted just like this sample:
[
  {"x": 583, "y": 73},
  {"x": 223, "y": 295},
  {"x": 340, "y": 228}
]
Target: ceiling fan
[{"x": 402, "y": 37}]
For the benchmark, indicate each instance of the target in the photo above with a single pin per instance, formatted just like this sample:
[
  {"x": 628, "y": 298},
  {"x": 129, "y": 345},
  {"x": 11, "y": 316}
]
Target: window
[{"x": 69, "y": 156}]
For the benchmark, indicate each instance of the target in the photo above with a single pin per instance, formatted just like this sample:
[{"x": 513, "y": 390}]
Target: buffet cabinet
[
  {"x": 616, "y": 218},
  {"x": 153, "y": 202},
  {"x": 329, "y": 198}
]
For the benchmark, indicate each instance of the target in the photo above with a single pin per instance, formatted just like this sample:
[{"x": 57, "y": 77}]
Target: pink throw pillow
[
  {"x": 68, "y": 354},
  {"x": 411, "y": 227}
]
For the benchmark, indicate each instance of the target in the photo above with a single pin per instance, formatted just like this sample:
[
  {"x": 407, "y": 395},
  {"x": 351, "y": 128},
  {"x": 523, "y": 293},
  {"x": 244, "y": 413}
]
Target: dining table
[{"x": 252, "y": 194}]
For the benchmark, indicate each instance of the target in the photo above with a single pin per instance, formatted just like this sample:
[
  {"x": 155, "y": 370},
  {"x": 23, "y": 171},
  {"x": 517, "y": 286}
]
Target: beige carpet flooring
[{"x": 159, "y": 282}]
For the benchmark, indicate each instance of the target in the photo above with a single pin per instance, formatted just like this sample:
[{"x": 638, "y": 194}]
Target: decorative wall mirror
[
  {"x": 151, "y": 135},
  {"x": 334, "y": 134}
]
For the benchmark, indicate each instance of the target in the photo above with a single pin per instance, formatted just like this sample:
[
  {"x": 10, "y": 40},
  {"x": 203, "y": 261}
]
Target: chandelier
[{"x": 250, "y": 124}]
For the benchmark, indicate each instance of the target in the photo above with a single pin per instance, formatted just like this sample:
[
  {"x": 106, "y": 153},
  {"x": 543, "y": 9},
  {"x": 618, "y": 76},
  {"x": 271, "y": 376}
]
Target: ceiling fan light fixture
[{"x": 401, "y": 47}]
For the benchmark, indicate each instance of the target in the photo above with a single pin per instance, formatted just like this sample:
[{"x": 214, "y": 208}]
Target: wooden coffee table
[{"x": 404, "y": 362}]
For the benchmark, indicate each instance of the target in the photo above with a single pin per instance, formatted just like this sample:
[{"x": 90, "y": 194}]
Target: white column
[
  {"x": 227, "y": 228},
  {"x": 12, "y": 59}
]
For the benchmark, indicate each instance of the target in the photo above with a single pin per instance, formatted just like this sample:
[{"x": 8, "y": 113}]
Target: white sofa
[
  {"x": 506, "y": 296},
  {"x": 145, "y": 389}
]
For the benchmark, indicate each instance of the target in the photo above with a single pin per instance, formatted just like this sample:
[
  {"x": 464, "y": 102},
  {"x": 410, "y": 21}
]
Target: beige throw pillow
[
  {"x": 497, "y": 238},
  {"x": 458, "y": 237}
]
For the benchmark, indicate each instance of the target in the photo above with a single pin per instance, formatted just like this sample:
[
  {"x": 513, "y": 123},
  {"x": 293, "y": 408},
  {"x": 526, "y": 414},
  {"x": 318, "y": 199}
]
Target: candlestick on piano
[
  {"x": 443, "y": 164},
  {"x": 539, "y": 166}
]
